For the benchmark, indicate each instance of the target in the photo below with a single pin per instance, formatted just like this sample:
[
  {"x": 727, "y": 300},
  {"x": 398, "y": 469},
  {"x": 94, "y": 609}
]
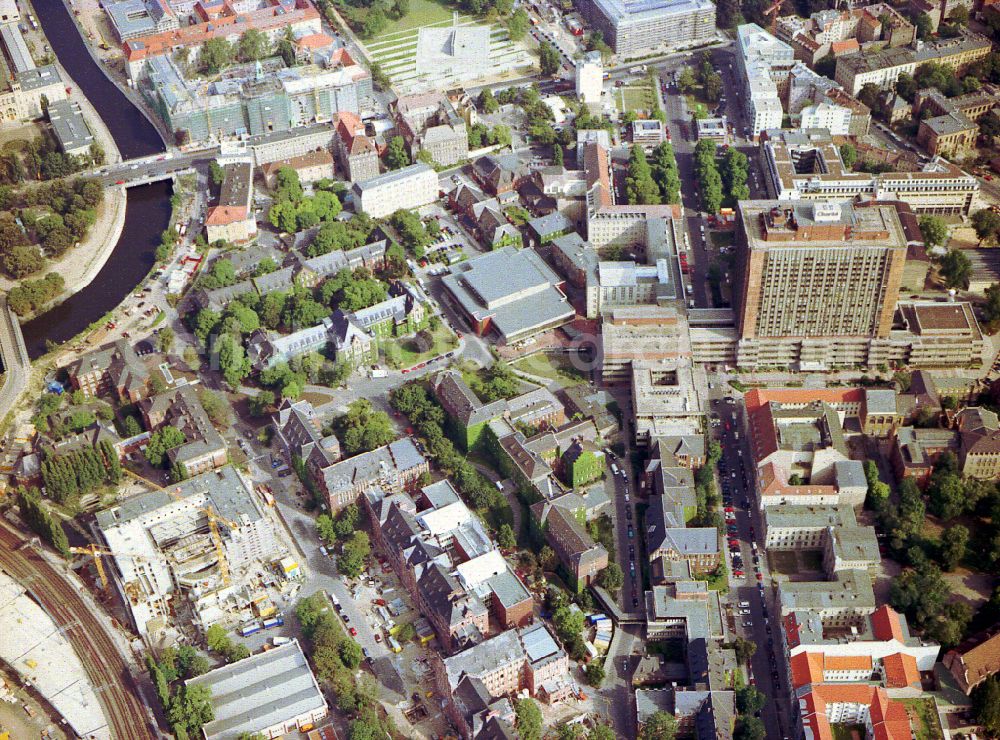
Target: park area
[
  {"x": 394, "y": 49},
  {"x": 420, "y": 348}
]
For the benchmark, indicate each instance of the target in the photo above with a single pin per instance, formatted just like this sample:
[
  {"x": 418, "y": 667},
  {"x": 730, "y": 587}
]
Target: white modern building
[
  {"x": 836, "y": 118},
  {"x": 409, "y": 187},
  {"x": 765, "y": 64},
  {"x": 590, "y": 78},
  {"x": 634, "y": 27}
]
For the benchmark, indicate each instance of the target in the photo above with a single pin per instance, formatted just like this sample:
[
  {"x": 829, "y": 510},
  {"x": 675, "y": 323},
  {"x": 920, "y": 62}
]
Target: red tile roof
[
  {"x": 901, "y": 671},
  {"x": 225, "y": 215},
  {"x": 886, "y": 624},
  {"x": 759, "y": 396},
  {"x": 223, "y": 22}
]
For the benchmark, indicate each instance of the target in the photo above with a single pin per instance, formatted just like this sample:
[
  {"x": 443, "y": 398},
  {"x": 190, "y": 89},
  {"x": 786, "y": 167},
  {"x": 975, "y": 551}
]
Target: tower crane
[
  {"x": 772, "y": 13},
  {"x": 209, "y": 512},
  {"x": 97, "y": 553}
]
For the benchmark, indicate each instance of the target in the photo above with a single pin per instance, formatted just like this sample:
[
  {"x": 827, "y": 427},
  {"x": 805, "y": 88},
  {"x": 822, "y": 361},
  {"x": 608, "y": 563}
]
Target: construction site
[{"x": 201, "y": 552}]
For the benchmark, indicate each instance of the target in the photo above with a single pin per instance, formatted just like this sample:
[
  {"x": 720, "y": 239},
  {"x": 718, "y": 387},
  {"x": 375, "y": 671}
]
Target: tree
[
  {"x": 749, "y": 700},
  {"x": 233, "y": 362},
  {"x": 518, "y": 24},
  {"x": 660, "y": 725},
  {"x": 505, "y": 536},
  {"x": 396, "y": 156},
  {"x": 986, "y": 705},
  {"x": 252, "y": 46},
  {"x": 934, "y": 230},
  {"x": 568, "y": 623},
  {"x": 548, "y": 59},
  {"x": 924, "y": 26},
  {"x": 595, "y": 673},
  {"x": 954, "y": 541},
  {"x": 640, "y": 188},
  {"x": 349, "y": 652},
  {"x": 215, "y": 54},
  {"x": 987, "y": 225},
  {"x": 749, "y": 728},
  {"x": 488, "y": 102},
  {"x": 686, "y": 80},
  {"x": 374, "y": 24},
  {"x": 215, "y": 406},
  {"x": 162, "y": 441},
  {"x": 528, "y": 719},
  {"x": 849, "y": 155},
  {"x": 601, "y": 732},
  {"x": 745, "y": 649},
  {"x": 956, "y": 269},
  {"x": 612, "y": 578},
  {"x": 165, "y": 339},
  {"x": 363, "y": 428},
  {"x": 354, "y": 555}
]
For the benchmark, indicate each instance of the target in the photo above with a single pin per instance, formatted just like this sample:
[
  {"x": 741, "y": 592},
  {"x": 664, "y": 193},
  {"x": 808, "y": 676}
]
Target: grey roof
[
  {"x": 551, "y": 223},
  {"x": 513, "y": 288},
  {"x": 508, "y": 588},
  {"x": 392, "y": 176},
  {"x": 809, "y": 517},
  {"x": 539, "y": 643},
  {"x": 69, "y": 125},
  {"x": 849, "y": 474},
  {"x": 398, "y": 456},
  {"x": 440, "y": 494},
  {"x": 228, "y": 495},
  {"x": 851, "y": 590},
  {"x": 460, "y": 401},
  {"x": 261, "y": 691},
  {"x": 32, "y": 79},
  {"x": 880, "y": 401},
  {"x": 661, "y": 604}
]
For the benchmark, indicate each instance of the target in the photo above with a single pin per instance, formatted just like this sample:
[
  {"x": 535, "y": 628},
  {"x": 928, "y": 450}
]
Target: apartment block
[
  {"x": 394, "y": 468},
  {"x": 528, "y": 659},
  {"x": 664, "y": 400},
  {"x": 883, "y": 68},
  {"x": 765, "y": 64},
  {"x": 838, "y": 603},
  {"x": 221, "y": 20},
  {"x": 979, "y": 451},
  {"x": 204, "y": 448},
  {"x": 115, "y": 369}
]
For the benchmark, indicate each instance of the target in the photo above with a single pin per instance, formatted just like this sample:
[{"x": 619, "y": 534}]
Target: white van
[{"x": 614, "y": 468}]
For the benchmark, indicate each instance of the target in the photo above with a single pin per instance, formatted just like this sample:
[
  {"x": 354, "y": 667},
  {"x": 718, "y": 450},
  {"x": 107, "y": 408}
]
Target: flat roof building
[
  {"x": 634, "y": 27},
  {"x": 70, "y": 127},
  {"x": 510, "y": 291},
  {"x": 406, "y": 188},
  {"x": 269, "y": 694},
  {"x": 807, "y": 165}
]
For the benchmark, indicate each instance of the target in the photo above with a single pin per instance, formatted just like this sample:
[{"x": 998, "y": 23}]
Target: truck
[
  {"x": 278, "y": 641},
  {"x": 277, "y": 621}
]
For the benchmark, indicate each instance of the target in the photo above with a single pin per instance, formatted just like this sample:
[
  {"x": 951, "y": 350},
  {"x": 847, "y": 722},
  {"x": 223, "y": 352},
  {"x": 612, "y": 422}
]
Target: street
[{"x": 754, "y": 589}]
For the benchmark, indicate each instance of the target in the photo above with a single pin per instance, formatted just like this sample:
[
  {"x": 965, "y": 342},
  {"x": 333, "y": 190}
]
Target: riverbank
[{"x": 81, "y": 264}]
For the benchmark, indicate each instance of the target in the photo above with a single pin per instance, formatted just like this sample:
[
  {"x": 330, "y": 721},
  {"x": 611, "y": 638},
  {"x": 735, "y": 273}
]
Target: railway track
[{"x": 108, "y": 673}]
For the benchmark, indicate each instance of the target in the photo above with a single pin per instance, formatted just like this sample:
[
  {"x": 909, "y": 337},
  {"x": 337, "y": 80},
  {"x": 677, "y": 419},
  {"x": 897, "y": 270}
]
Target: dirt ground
[{"x": 15, "y": 720}]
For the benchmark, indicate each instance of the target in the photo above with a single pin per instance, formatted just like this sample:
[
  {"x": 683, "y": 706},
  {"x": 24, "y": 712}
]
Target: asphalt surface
[
  {"x": 761, "y": 625},
  {"x": 16, "y": 363},
  {"x": 107, "y": 670}
]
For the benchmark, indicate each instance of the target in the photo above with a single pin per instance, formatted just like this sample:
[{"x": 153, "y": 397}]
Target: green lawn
[
  {"x": 414, "y": 350},
  {"x": 699, "y": 109},
  {"x": 635, "y": 97},
  {"x": 849, "y": 732},
  {"x": 422, "y": 13},
  {"x": 785, "y": 563},
  {"x": 923, "y": 715},
  {"x": 553, "y": 367}
]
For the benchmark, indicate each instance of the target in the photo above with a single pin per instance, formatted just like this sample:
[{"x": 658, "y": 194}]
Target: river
[{"x": 147, "y": 212}]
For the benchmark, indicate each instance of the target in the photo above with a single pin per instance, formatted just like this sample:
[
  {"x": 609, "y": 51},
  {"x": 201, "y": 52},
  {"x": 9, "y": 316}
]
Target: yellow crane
[
  {"x": 209, "y": 512},
  {"x": 97, "y": 552}
]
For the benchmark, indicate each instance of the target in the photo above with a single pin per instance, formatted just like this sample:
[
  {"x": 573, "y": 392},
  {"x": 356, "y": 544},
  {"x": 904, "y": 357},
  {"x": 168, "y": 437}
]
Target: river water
[{"x": 147, "y": 212}]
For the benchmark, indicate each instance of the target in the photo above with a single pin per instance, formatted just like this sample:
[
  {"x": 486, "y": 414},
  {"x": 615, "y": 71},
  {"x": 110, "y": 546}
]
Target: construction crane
[
  {"x": 97, "y": 552},
  {"x": 772, "y": 13},
  {"x": 209, "y": 512}
]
